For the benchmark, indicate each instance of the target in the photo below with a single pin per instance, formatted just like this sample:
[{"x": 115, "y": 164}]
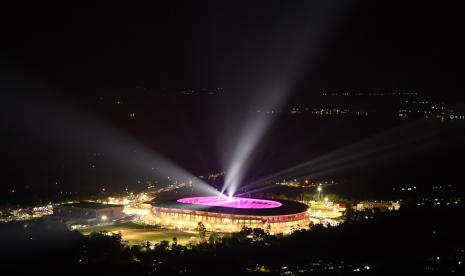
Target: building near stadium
[
  {"x": 223, "y": 214},
  {"x": 85, "y": 213}
]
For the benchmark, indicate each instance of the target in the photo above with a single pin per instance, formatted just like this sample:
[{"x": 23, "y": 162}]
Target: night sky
[
  {"x": 372, "y": 45},
  {"x": 79, "y": 84}
]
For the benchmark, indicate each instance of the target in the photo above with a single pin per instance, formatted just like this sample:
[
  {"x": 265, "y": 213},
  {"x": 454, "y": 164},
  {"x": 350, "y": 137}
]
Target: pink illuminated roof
[{"x": 234, "y": 202}]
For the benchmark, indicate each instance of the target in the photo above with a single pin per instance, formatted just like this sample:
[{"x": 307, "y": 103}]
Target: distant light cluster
[
  {"x": 329, "y": 111},
  {"x": 379, "y": 94},
  {"x": 429, "y": 110},
  {"x": 203, "y": 91},
  {"x": 306, "y": 183}
]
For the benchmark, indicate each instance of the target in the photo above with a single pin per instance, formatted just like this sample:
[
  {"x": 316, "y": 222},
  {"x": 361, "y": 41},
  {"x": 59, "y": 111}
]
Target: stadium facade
[{"x": 224, "y": 214}]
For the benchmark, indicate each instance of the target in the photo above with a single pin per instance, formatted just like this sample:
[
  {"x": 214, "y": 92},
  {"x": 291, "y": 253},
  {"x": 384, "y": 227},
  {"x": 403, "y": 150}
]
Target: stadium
[{"x": 224, "y": 214}]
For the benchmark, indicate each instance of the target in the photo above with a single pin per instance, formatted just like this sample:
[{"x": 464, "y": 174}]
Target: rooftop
[
  {"x": 286, "y": 207},
  {"x": 231, "y": 202}
]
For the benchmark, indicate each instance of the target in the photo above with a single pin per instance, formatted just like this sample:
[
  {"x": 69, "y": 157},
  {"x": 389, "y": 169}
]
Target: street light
[{"x": 319, "y": 192}]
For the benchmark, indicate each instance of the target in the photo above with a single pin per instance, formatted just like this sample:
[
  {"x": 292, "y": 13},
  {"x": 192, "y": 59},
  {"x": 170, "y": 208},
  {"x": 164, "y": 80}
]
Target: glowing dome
[{"x": 231, "y": 202}]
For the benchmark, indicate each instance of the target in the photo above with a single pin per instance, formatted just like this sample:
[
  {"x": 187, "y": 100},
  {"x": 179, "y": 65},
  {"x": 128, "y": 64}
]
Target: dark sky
[
  {"x": 374, "y": 45},
  {"x": 63, "y": 70}
]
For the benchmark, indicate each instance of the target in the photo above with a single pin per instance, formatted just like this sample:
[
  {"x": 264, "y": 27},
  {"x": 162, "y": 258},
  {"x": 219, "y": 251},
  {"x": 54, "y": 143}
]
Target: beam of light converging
[
  {"x": 389, "y": 145},
  {"x": 252, "y": 132},
  {"x": 280, "y": 71},
  {"x": 64, "y": 125}
]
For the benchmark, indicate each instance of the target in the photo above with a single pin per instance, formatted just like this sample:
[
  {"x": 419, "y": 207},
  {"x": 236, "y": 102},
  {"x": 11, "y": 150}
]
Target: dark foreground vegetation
[{"x": 412, "y": 241}]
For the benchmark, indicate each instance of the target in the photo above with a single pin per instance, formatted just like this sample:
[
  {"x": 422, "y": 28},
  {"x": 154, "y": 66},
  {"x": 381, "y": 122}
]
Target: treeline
[{"x": 411, "y": 241}]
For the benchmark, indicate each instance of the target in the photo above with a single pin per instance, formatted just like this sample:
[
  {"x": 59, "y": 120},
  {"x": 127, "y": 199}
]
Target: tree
[
  {"x": 214, "y": 238},
  {"x": 175, "y": 241},
  {"x": 162, "y": 246},
  {"x": 202, "y": 231},
  {"x": 258, "y": 234}
]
